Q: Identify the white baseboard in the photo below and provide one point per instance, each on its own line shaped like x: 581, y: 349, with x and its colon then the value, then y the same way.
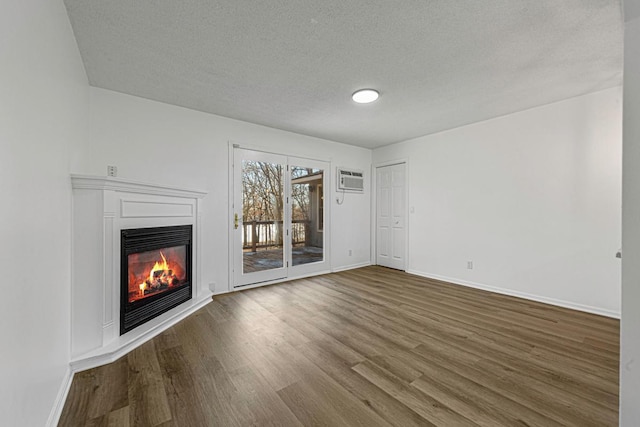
x: 287, y: 279
x: 276, y: 281
x: 537, y: 298
x: 351, y: 266
x: 61, y: 398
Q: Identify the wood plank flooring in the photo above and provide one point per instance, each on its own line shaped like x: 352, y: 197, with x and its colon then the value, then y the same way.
x: 366, y: 347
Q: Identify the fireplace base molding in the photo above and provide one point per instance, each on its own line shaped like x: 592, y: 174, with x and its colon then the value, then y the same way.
x: 102, y: 208
x: 127, y: 342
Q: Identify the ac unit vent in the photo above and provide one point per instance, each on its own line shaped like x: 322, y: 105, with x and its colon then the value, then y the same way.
x: 350, y: 180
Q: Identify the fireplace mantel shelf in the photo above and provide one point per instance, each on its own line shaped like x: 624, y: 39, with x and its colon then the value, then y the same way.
x: 91, y: 182
x: 103, y: 207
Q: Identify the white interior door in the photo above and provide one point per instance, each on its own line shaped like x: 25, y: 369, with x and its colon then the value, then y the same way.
x: 261, y: 217
x: 391, y: 216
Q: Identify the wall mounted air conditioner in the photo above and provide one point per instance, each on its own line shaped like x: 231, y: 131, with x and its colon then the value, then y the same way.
x: 350, y: 180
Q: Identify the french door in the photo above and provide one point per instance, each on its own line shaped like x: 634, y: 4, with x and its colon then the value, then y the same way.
x: 279, y: 217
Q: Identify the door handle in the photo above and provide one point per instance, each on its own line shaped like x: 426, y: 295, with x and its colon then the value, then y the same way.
x: 235, y: 221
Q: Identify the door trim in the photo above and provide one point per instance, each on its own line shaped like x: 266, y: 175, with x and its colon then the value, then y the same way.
x: 228, y: 223
x: 374, y: 209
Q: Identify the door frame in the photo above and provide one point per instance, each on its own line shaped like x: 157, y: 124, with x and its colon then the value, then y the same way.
x: 374, y: 209
x: 328, y: 196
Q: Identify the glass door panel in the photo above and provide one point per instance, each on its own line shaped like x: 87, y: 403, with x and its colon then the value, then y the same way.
x: 262, y: 216
x: 307, y: 213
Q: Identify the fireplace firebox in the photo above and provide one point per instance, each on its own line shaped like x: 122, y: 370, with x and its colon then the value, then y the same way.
x: 155, y: 272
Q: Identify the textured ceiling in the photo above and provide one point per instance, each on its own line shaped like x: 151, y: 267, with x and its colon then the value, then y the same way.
x: 293, y: 65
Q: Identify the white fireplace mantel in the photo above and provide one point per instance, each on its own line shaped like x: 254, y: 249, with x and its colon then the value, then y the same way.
x: 102, y: 207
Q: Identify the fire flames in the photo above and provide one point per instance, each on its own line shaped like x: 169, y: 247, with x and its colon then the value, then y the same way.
x: 159, y: 267
x: 162, y: 276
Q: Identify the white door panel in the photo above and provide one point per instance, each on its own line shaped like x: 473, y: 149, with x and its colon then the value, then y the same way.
x: 398, y: 244
x: 383, y: 242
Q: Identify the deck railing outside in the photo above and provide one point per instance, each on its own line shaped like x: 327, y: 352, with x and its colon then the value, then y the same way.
x: 266, y: 234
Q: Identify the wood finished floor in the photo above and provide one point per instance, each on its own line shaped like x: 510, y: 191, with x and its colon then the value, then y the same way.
x: 367, y: 347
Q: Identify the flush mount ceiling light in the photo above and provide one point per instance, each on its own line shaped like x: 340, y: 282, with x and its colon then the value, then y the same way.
x: 365, y: 96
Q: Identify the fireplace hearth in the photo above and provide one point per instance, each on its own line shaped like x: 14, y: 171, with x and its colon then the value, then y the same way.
x: 155, y: 272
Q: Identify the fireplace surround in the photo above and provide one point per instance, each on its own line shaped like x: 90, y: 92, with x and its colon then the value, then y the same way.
x: 105, y: 209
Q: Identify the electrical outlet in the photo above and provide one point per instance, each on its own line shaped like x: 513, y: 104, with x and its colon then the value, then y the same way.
x: 470, y: 265
x: 112, y: 171
x: 350, y: 252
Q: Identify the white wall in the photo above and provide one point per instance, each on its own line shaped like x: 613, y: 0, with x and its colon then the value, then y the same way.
x: 630, y: 325
x: 43, y: 99
x: 155, y: 142
x: 532, y: 198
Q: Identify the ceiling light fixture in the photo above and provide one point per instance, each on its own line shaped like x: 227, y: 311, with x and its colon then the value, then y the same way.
x: 365, y: 96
